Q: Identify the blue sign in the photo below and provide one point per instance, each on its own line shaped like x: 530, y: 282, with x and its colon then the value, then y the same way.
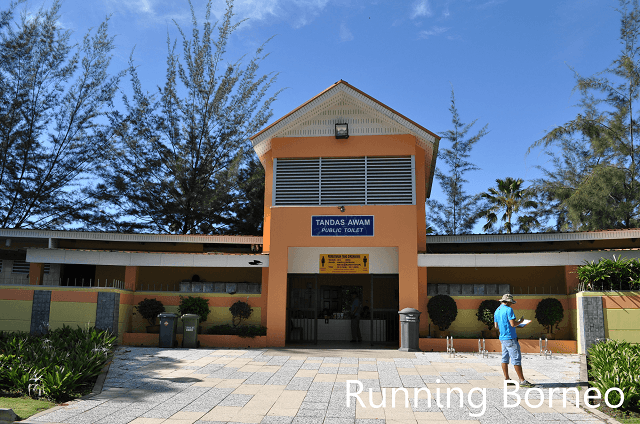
x: 342, y: 225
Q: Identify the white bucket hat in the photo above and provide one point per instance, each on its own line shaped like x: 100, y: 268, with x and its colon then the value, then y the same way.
x: 507, y: 298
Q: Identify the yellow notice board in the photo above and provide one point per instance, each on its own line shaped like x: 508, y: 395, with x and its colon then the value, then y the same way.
x: 344, y: 264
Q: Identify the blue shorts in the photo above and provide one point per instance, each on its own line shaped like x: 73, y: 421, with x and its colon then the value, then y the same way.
x: 511, y: 349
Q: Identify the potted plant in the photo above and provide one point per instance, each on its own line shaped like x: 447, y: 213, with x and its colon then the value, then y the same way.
x: 485, y: 315
x: 240, y: 311
x: 549, y: 313
x: 442, y: 312
x: 149, y: 310
x: 194, y: 305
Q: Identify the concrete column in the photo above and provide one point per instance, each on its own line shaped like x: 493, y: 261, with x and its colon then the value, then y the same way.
x: 590, y: 321
x: 422, y: 301
x: 277, y: 299
x: 40, y: 312
x: 131, y: 275
x: 571, y: 278
x: 36, y: 274
x: 409, y: 286
x: 264, y: 296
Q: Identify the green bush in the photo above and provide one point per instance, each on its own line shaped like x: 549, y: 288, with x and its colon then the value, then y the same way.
x: 240, y: 311
x: 242, y: 331
x: 616, y: 364
x: 58, y: 365
x: 194, y: 305
x: 549, y: 312
x: 149, y: 309
x: 610, y: 274
x: 442, y: 311
x: 485, y: 312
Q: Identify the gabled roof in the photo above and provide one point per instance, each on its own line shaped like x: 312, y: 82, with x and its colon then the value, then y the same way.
x: 322, y: 94
x: 300, y: 121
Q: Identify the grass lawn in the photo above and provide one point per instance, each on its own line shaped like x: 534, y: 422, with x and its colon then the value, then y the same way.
x: 625, y: 417
x: 24, y: 406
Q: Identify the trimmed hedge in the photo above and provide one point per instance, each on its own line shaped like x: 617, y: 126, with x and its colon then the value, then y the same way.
x: 241, y: 330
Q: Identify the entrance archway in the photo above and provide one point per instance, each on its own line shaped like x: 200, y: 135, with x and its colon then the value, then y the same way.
x: 318, y: 308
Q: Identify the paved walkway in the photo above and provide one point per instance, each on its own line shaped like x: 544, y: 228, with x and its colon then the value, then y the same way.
x: 280, y: 386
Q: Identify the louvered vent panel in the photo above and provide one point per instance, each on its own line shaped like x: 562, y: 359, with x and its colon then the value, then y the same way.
x: 343, y: 181
x: 390, y: 181
x: 297, y: 182
x: 20, y: 267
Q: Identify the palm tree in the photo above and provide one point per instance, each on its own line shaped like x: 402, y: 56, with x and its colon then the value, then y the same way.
x: 511, y: 197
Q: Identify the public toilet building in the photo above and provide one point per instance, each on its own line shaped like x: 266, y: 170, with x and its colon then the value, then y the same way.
x: 346, y: 182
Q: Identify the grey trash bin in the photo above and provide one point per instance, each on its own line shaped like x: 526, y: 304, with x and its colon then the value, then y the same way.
x: 409, y: 330
x: 190, y: 330
x: 168, y: 329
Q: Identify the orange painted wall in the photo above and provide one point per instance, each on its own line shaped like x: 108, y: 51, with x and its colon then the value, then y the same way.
x: 400, y: 226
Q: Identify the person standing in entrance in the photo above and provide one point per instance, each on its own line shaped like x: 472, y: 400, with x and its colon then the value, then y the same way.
x: 505, y: 321
x: 354, y: 313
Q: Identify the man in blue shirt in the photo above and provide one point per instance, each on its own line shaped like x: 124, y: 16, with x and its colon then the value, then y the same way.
x: 505, y: 321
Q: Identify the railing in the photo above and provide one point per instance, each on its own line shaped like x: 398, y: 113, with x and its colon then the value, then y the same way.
x: 91, y: 283
x: 390, y: 331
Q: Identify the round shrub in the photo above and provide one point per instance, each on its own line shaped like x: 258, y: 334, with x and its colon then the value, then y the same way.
x: 194, y: 305
x: 240, y: 311
x: 442, y: 311
x: 486, y: 310
x: 549, y: 312
x: 149, y: 309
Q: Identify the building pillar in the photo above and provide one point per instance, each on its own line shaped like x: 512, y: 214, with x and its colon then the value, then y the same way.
x: 571, y: 278
x: 422, y: 302
x: 277, y: 299
x: 590, y: 321
x: 409, y: 285
x: 131, y: 274
x: 36, y: 274
x: 265, y: 296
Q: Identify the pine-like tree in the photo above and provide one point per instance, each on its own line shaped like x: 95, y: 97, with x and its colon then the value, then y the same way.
x: 603, y: 190
x: 53, y: 96
x: 458, y: 213
x: 179, y: 153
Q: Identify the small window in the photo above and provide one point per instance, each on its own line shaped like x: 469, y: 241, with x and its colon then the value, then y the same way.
x: 47, y: 268
x: 20, y: 267
x: 0, y: 265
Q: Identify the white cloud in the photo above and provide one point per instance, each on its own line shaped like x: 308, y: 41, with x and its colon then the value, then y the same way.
x: 296, y: 12
x: 421, y: 8
x: 490, y: 3
x: 345, y: 34
x: 436, y: 30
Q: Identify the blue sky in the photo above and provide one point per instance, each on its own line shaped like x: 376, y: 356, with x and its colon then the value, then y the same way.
x: 508, y: 60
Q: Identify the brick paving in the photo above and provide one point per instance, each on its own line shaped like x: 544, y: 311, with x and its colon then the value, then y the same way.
x: 301, y: 386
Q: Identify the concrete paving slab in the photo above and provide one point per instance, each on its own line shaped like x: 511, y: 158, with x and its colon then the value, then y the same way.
x: 308, y: 386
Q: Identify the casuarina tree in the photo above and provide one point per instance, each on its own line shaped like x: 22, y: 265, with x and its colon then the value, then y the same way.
x: 53, y: 98
x: 458, y: 212
x: 605, y: 192
x: 179, y: 151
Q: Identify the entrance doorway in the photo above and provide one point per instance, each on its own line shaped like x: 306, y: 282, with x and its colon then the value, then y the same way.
x: 318, y: 307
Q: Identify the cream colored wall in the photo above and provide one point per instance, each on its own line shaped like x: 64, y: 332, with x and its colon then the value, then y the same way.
x: 15, y: 315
